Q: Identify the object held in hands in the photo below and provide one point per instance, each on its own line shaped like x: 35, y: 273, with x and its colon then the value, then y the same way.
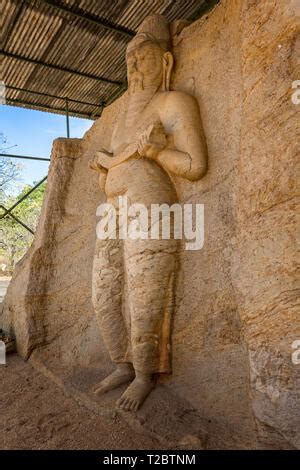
x: 152, y: 140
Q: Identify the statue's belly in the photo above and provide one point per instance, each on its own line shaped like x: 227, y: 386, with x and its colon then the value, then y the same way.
x: 142, y: 180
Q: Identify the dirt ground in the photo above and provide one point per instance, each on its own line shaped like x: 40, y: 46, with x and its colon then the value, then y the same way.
x: 35, y: 414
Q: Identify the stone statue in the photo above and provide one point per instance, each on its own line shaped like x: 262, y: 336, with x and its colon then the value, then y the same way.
x: 158, y: 135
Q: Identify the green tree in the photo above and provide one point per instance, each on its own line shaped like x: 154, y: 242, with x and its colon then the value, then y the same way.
x: 9, y: 170
x: 15, y: 239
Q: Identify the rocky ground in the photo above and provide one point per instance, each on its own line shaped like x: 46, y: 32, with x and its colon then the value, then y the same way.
x: 36, y: 414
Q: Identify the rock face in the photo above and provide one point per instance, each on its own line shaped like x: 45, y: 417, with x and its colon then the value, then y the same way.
x: 235, y: 317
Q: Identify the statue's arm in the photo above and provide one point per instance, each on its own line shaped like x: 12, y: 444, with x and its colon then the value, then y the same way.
x: 181, y: 119
x: 102, y: 172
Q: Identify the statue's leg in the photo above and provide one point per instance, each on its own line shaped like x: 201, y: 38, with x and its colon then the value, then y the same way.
x: 151, y: 269
x: 107, y: 289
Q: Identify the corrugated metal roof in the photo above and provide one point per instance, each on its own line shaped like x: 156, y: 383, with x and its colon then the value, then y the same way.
x: 74, y: 49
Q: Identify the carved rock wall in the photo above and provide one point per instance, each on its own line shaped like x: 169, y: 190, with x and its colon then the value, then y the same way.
x: 235, y: 308
x: 264, y: 267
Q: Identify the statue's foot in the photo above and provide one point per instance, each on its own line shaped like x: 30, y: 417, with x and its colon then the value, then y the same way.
x: 136, y: 393
x: 124, y: 373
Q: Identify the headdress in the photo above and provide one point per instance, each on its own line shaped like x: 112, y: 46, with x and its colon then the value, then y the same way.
x: 154, y: 28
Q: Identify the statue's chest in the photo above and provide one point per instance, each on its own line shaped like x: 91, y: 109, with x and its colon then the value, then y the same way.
x: 128, y: 130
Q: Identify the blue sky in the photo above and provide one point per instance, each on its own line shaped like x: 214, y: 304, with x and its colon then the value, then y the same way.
x: 33, y: 133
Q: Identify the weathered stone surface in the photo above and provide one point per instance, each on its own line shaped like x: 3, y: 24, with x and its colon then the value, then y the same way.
x: 235, y: 317
x: 265, y: 217
x: 171, y: 420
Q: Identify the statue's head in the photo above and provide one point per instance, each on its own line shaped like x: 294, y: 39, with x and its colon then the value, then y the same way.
x: 148, y: 56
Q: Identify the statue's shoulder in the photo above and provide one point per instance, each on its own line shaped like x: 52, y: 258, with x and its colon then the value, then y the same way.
x: 176, y: 96
x: 174, y: 102
x: 179, y: 95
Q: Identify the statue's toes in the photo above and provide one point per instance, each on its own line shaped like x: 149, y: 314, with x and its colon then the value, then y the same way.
x: 119, y: 403
x: 131, y: 405
x: 122, y: 403
x: 136, y: 405
x: 98, y: 390
x: 127, y: 404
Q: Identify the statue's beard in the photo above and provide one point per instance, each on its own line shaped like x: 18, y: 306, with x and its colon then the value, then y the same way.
x: 136, y: 82
x: 139, y: 97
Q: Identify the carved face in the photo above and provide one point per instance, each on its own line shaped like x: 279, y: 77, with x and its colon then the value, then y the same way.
x: 145, y: 67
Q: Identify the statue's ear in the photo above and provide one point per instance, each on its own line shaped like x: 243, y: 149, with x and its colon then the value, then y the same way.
x: 168, y: 62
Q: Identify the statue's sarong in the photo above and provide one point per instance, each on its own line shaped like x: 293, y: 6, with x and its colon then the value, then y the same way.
x: 133, y: 296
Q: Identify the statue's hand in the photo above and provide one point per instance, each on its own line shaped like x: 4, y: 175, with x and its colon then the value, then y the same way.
x: 98, y: 162
x: 95, y: 165
x: 152, y: 141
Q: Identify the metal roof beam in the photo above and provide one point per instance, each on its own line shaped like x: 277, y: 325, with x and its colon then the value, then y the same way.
x: 104, y: 23
x: 8, y: 211
x: 91, y: 116
x: 51, y: 108
x: 59, y: 68
x: 25, y: 90
x: 27, y: 157
x: 17, y: 220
